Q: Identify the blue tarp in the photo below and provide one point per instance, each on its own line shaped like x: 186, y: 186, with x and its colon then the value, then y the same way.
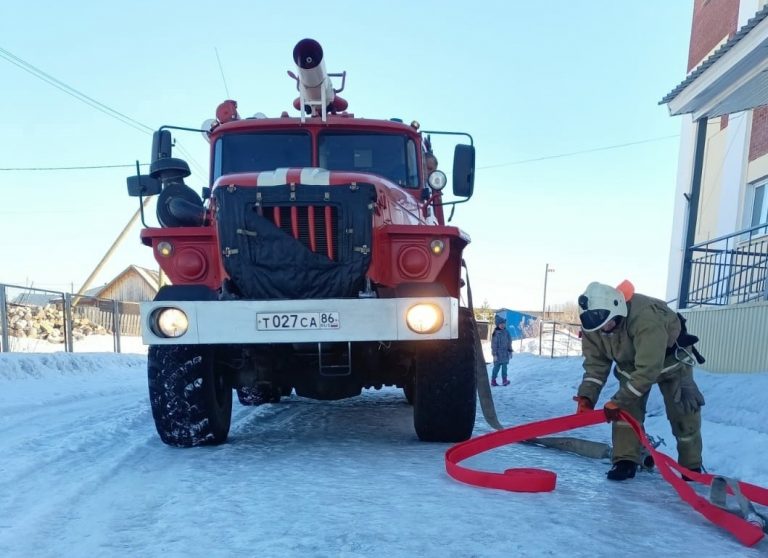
x: 517, y: 322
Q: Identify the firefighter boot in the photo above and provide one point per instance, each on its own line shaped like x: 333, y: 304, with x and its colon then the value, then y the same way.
x: 622, y: 470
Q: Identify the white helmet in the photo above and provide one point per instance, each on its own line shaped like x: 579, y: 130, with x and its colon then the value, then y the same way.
x: 600, y: 304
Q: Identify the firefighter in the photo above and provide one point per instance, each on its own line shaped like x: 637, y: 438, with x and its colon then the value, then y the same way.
x: 641, y: 338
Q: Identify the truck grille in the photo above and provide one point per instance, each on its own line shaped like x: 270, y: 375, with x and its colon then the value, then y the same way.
x: 314, y: 226
x: 281, y: 242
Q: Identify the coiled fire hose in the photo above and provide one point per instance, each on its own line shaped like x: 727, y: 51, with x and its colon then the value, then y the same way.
x: 748, y: 530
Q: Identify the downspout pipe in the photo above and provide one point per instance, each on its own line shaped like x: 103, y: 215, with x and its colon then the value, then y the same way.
x: 693, y: 211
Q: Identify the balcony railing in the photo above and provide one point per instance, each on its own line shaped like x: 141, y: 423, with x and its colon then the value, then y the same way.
x: 730, y: 269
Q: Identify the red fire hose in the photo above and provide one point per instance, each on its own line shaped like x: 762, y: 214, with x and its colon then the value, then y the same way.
x: 540, y: 480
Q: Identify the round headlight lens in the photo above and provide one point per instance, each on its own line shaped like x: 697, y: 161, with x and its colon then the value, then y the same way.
x: 437, y: 180
x: 164, y: 248
x: 170, y: 322
x: 437, y: 246
x: 424, y: 318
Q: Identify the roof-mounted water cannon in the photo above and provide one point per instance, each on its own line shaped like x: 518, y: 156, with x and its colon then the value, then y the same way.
x: 316, y: 93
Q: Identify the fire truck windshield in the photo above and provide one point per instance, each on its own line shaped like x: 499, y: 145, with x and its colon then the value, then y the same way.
x: 260, y: 152
x: 390, y: 155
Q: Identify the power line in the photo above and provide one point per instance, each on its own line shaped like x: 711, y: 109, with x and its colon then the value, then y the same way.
x: 221, y: 69
x: 69, y: 90
x: 582, y: 152
x: 83, y: 167
x: 90, y: 101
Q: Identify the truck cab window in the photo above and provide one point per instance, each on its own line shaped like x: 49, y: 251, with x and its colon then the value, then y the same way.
x: 389, y: 155
x: 261, y: 152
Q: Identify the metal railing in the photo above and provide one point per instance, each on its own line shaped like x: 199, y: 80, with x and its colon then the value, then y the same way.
x: 558, y: 339
x: 730, y: 269
x: 41, y: 320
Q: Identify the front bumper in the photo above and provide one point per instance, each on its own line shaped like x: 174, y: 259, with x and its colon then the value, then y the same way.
x: 235, y: 321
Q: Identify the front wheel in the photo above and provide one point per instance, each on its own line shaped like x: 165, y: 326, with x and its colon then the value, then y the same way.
x: 191, y: 402
x: 444, y: 399
x: 408, y: 391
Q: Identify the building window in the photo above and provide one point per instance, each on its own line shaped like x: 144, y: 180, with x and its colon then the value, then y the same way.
x: 759, y: 205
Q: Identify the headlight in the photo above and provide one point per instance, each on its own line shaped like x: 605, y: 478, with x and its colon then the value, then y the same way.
x: 169, y: 322
x: 437, y: 246
x: 164, y: 248
x: 437, y: 180
x: 424, y: 318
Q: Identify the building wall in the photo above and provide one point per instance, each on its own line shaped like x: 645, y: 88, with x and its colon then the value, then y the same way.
x: 129, y: 287
x: 732, y: 337
x: 757, y: 169
x: 726, y: 162
x: 713, y: 20
x: 757, y: 166
x: 706, y: 224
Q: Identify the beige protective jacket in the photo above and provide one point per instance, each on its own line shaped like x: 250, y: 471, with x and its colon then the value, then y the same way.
x: 638, y: 347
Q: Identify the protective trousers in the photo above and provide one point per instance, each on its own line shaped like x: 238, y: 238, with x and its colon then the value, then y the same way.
x: 686, y: 427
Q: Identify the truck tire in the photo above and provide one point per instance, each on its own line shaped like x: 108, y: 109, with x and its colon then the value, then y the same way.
x: 444, y: 399
x: 408, y: 392
x: 191, y: 403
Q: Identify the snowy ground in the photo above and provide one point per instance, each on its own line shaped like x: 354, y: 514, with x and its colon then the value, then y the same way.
x: 89, y: 344
x: 83, y: 473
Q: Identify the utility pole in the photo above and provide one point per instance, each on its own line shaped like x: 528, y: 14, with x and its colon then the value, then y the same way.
x: 547, y: 271
x: 111, y: 251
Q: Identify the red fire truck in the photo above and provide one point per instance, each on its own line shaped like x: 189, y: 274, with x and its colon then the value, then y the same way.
x: 318, y: 259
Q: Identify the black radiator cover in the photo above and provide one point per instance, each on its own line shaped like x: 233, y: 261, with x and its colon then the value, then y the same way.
x: 265, y: 262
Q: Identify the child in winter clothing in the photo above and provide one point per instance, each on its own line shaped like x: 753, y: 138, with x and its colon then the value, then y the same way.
x: 501, y: 348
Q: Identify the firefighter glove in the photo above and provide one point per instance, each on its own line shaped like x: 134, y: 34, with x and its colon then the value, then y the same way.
x: 583, y: 404
x: 688, y: 397
x: 611, y: 411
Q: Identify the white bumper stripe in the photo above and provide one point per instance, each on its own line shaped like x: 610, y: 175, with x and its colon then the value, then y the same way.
x: 595, y: 380
x: 234, y: 321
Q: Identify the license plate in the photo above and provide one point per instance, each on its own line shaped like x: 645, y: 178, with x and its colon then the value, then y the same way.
x: 275, y: 321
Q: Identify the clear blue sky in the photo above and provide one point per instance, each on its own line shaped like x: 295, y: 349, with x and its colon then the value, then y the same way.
x: 526, y: 79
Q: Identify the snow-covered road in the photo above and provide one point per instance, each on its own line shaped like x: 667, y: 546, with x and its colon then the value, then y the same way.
x: 83, y: 473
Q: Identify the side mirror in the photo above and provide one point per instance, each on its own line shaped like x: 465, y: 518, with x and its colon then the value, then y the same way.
x: 463, y: 170
x: 143, y: 185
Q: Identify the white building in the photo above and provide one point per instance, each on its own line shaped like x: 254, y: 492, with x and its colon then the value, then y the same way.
x: 719, y: 251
